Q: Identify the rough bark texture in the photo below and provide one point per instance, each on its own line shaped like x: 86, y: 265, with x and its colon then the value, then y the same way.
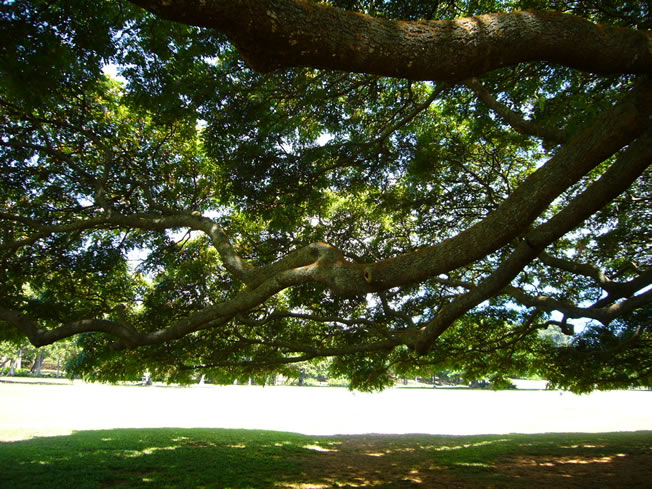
x: 272, y: 34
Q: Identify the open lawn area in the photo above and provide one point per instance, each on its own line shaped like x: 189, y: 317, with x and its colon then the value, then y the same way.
x: 238, y: 459
x: 94, y: 436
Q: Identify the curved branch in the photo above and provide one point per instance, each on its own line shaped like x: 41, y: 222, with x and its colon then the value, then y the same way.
x: 232, y: 262
x: 208, y: 317
x: 324, y: 264
x: 586, y: 269
x: 514, y: 119
x: 616, y: 128
x: 627, y: 168
x: 41, y: 337
x: 272, y: 34
x: 618, y: 290
x: 47, y: 230
x: 603, y: 314
x: 615, y: 290
x: 252, y: 276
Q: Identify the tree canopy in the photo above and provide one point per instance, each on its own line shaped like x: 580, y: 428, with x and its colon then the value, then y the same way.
x: 401, y: 186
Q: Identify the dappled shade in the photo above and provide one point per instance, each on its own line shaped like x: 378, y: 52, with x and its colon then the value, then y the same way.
x: 239, y: 459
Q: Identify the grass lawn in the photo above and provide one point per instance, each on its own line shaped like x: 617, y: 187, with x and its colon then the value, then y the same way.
x: 62, y: 435
x: 243, y: 459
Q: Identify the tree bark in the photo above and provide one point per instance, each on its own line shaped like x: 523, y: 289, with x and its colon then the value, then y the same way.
x: 272, y: 34
x: 5, y: 361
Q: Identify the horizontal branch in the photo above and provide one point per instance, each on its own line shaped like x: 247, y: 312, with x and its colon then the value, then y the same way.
x: 276, y: 315
x: 46, y: 230
x: 272, y: 34
x: 603, y: 314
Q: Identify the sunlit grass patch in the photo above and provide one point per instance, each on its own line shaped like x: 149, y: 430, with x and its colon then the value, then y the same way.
x: 155, y: 458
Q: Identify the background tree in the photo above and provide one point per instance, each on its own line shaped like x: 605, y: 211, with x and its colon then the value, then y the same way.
x: 400, y: 186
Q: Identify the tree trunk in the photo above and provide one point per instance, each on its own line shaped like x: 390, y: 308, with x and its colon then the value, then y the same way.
x: 19, y: 360
x: 36, y: 368
x: 5, y: 360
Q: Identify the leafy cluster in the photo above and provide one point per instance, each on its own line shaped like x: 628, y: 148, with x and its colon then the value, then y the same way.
x: 107, y: 186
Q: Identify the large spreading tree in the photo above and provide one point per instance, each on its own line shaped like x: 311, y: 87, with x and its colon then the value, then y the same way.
x: 400, y: 186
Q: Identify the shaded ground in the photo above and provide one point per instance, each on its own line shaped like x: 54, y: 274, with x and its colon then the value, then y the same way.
x: 559, y: 461
x: 176, y: 458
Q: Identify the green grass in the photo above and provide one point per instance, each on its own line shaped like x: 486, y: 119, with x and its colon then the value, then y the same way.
x: 251, y: 459
x: 151, y: 458
x: 479, y: 458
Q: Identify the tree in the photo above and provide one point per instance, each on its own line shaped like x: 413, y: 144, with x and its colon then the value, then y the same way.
x: 401, y: 186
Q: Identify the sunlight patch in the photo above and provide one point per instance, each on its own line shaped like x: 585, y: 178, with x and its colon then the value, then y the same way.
x: 413, y: 476
x: 596, y: 460
x: 317, y: 448
x: 306, y: 486
x: 146, y: 451
x: 469, y: 445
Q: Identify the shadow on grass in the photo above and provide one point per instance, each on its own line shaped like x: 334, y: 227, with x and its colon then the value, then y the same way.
x: 249, y: 459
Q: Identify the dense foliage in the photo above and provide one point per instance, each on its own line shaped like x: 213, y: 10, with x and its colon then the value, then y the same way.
x: 127, y: 205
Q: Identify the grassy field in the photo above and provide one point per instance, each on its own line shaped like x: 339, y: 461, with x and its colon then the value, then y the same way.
x: 74, y: 435
x: 255, y: 459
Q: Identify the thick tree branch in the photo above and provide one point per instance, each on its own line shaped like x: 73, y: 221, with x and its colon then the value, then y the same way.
x: 324, y: 264
x: 615, y: 129
x: 41, y: 337
x: 273, y: 34
x: 629, y: 165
